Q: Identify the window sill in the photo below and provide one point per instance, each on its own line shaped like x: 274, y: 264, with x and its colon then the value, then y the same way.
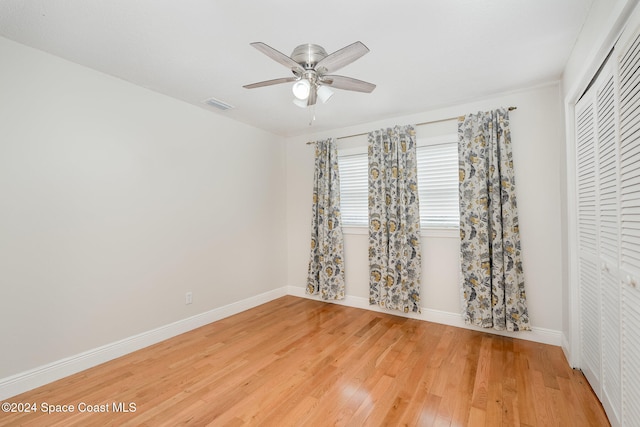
x: 452, y: 233
x: 449, y: 232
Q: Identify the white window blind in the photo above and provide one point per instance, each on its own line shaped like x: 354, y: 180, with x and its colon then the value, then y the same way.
x: 437, y: 187
x: 354, y: 184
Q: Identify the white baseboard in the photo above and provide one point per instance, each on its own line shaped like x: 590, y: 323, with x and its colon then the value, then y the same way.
x: 541, y: 335
x: 24, y: 381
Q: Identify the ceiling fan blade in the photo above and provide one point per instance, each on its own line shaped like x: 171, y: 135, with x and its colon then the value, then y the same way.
x: 340, y: 58
x: 313, y: 96
x: 278, y: 56
x: 347, y: 83
x: 271, y: 82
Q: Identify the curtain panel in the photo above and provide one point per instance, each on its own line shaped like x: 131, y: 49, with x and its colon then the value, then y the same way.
x: 492, y: 278
x: 326, y: 265
x: 394, y: 220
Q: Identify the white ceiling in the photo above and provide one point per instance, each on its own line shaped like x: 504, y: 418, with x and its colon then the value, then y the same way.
x: 423, y: 54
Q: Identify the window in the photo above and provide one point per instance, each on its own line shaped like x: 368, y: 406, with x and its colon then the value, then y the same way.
x: 437, y: 184
x: 354, y: 189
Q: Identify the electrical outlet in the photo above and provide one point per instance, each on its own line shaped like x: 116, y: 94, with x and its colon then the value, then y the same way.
x: 188, y: 298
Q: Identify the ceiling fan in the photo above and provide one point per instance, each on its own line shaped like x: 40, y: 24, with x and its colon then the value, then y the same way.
x: 311, y: 68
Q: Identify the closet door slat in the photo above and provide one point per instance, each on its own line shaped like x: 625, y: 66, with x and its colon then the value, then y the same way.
x: 629, y: 68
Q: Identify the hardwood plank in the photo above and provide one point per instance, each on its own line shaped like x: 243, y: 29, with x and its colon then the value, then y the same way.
x: 477, y: 417
x: 481, y: 384
x: 495, y: 393
x: 510, y: 414
x: 526, y: 397
x: 295, y: 361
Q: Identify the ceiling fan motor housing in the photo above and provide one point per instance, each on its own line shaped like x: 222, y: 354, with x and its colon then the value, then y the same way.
x: 308, y: 55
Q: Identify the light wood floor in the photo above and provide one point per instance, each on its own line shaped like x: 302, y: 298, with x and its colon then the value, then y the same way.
x: 295, y: 361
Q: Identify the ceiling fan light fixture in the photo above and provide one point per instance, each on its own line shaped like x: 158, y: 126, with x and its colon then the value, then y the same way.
x: 301, y: 89
x: 324, y: 93
x: 300, y: 103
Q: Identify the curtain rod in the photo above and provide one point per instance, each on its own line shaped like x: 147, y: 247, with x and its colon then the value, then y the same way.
x: 417, y: 124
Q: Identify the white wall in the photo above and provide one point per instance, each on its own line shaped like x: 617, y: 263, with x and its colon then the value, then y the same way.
x: 538, y: 141
x: 115, y: 201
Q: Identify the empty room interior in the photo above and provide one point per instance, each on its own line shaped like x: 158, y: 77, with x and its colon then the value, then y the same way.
x: 339, y: 213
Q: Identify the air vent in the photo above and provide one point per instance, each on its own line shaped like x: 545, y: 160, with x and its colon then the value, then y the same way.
x: 217, y: 104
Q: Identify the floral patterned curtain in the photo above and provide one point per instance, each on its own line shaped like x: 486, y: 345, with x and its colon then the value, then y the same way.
x: 326, y: 267
x: 394, y: 220
x: 491, y: 278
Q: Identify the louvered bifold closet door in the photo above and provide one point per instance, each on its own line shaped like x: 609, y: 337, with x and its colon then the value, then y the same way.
x: 608, y: 239
x: 629, y: 74
x: 588, y: 242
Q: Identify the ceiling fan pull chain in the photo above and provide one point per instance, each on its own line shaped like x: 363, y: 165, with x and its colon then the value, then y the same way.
x: 312, y: 111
